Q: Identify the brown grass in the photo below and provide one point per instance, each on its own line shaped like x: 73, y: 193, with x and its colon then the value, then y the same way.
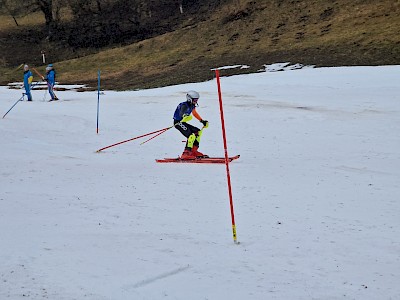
x: 324, y: 33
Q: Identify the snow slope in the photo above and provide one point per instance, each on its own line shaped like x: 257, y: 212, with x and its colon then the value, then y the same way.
x: 315, y: 192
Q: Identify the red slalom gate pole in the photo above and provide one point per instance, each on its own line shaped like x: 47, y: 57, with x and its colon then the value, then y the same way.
x: 98, y: 100
x: 138, y: 137
x: 155, y: 135
x: 226, y: 157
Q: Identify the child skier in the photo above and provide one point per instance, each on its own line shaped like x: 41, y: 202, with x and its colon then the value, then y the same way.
x: 28, y: 78
x: 193, y: 134
x: 51, y: 81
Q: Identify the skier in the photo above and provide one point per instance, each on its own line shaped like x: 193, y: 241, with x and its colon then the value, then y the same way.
x: 28, y: 78
x: 193, y: 134
x: 51, y: 81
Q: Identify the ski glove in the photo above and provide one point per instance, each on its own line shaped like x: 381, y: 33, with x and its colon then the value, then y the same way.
x: 204, y: 122
x: 186, y: 118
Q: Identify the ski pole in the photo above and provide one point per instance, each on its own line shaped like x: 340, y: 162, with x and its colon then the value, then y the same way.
x: 20, y: 99
x: 23, y: 95
x: 44, y: 96
x: 138, y: 137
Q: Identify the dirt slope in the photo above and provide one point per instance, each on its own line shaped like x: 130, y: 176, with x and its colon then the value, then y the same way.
x: 322, y: 33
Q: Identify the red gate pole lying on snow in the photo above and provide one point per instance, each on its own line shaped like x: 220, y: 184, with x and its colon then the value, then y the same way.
x: 163, y: 131
x: 138, y: 137
x: 226, y: 157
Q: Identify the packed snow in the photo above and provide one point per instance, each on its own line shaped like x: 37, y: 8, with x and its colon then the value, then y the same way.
x: 315, y: 191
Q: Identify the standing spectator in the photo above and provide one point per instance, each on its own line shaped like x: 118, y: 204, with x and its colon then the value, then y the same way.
x: 28, y: 78
x: 51, y: 81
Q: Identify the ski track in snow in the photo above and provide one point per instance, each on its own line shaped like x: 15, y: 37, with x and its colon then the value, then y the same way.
x: 159, y: 277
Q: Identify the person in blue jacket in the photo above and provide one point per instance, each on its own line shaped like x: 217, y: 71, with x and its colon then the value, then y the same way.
x: 28, y: 78
x: 51, y: 81
x: 182, y: 115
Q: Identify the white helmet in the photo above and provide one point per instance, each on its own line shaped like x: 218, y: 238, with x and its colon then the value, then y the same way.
x: 192, y: 97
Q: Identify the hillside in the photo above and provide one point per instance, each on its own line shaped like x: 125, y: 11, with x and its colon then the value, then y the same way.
x: 322, y: 33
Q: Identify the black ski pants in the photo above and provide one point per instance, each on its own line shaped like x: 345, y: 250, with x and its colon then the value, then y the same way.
x: 186, y: 129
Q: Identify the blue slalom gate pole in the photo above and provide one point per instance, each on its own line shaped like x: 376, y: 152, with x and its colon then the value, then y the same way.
x: 98, y: 99
x: 20, y: 99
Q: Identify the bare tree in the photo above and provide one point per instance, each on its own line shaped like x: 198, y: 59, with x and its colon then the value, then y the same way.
x: 10, y: 9
x: 46, y: 6
x: 49, y: 8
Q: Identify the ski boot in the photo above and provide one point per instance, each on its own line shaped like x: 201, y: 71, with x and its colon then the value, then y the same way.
x: 187, y: 154
x: 197, y: 153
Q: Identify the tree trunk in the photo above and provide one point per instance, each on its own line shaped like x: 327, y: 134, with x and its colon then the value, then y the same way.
x: 46, y: 6
x: 10, y: 12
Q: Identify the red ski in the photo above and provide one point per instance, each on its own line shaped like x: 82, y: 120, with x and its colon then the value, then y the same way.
x: 199, y: 160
